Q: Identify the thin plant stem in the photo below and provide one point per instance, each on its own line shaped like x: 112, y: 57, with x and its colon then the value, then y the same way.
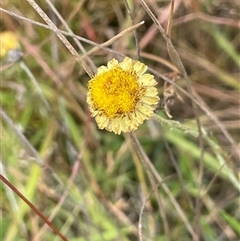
x: 80, y: 46
x: 146, y: 162
x: 11, y: 197
x: 61, y: 36
x: 113, y: 39
x: 176, y: 124
x: 175, y: 58
x: 131, y: 15
x: 33, y: 208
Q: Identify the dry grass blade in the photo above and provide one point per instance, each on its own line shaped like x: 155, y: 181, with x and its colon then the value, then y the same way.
x: 60, y: 35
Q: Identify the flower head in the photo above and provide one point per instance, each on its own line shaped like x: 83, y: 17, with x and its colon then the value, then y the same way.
x: 121, y: 96
x: 10, y: 47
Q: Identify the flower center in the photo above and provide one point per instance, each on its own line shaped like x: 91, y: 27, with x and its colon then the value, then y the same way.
x: 115, y: 92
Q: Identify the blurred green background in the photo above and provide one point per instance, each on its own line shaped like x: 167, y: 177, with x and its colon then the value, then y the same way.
x: 90, y: 182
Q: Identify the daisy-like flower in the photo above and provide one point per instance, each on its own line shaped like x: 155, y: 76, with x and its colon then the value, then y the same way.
x: 121, y: 96
x: 10, y: 47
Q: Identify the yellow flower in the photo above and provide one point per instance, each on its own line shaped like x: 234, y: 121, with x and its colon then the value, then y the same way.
x: 121, y: 96
x: 9, y: 46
